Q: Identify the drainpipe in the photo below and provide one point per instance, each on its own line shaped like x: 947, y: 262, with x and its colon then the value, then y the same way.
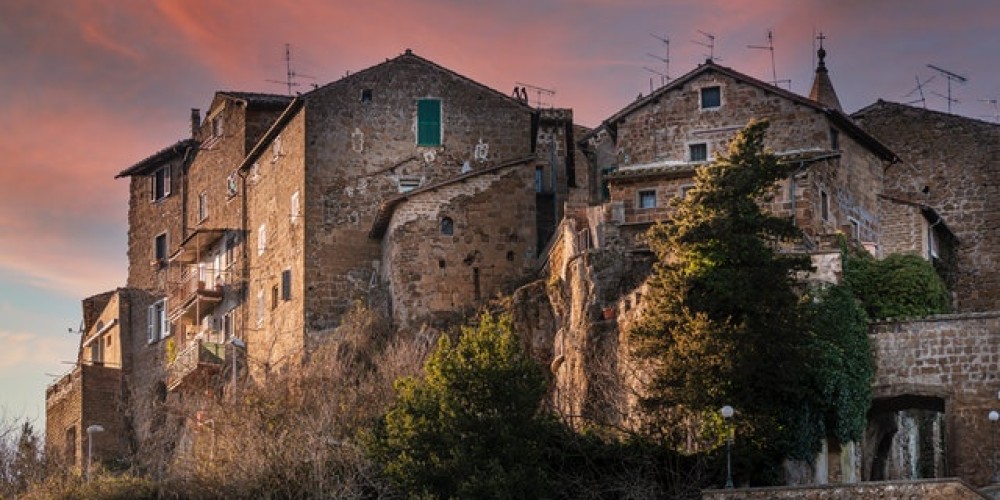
x: 245, y: 289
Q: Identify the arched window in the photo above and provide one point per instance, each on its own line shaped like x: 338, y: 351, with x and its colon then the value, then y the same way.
x: 447, y: 226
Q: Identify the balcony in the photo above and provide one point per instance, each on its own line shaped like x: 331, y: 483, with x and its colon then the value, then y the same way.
x: 195, y: 295
x: 198, y: 361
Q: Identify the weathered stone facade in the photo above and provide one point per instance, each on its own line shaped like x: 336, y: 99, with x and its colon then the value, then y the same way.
x: 954, y: 489
x: 949, y: 175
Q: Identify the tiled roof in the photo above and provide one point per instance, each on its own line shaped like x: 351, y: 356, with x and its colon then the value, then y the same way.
x: 158, y: 158
x: 257, y: 100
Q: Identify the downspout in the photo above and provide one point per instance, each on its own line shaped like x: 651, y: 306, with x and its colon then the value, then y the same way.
x: 245, y: 280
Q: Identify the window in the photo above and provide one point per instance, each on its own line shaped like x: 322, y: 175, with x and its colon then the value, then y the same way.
x: 160, y: 184
x: 295, y: 206
x: 447, y: 226
x: 684, y: 190
x: 428, y: 122
x: 261, y: 239
x: 260, y: 307
x: 824, y: 205
x: 286, y: 284
x: 276, y: 150
x: 97, y: 351
x: 539, y: 179
x: 274, y: 296
x: 202, y: 206
x: 698, y: 152
x: 855, y: 229
x: 71, y: 444
x: 228, y: 324
x: 217, y: 127
x: 647, y: 199
x: 407, y: 184
x: 157, y: 326
x: 230, y: 251
x: 232, y: 186
x: 160, y: 249
x: 834, y: 139
x: 711, y: 97
x: 366, y: 95
x: 932, y: 244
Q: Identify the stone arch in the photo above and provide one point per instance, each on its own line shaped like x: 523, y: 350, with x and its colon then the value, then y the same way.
x: 906, y: 436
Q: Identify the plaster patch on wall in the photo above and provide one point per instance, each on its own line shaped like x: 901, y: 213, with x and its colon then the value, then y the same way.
x: 430, y: 155
x: 358, y: 140
x: 482, y: 150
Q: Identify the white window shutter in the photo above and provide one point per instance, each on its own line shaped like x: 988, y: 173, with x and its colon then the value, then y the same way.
x: 166, y: 180
x: 151, y: 321
x: 164, y: 323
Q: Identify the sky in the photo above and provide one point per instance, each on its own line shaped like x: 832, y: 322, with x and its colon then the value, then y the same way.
x: 90, y: 87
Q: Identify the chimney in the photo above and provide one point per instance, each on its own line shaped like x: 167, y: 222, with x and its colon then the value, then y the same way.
x: 195, y: 122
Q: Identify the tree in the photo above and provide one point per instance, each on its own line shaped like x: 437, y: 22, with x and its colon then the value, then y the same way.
x: 471, y: 428
x: 724, y: 326
x: 899, y: 286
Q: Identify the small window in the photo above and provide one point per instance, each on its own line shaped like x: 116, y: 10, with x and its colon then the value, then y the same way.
x: 286, y: 284
x: 824, y: 205
x: 711, y: 97
x: 855, y: 229
x: 160, y: 248
x: 428, y: 122
x: 684, y: 190
x: 276, y: 149
x: 160, y: 184
x: 366, y: 96
x: 834, y: 139
x: 295, y: 206
x: 260, y: 306
x: 274, y: 296
x: 647, y: 199
x: 261, y: 239
x: 232, y: 186
x: 217, y: 126
x: 157, y: 326
x: 539, y: 179
x: 932, y: 243
x: 447, y: 226
x: 202, y: 206
x: 228, y: 324
x: 698, y: 152
x: 407, y: 184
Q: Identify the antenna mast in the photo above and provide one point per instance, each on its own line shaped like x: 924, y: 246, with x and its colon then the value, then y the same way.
x: 539, y: 91
x: 920, y: 90
x: 951, y: 77
x: 710, y: 44
x: 770, y: 48
x: 666, y: 56
x: 290, y: 73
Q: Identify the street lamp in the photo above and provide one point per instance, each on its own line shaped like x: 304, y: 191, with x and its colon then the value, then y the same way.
x: 90, y: 445
x: 727, y: 413
x: 994, y: 416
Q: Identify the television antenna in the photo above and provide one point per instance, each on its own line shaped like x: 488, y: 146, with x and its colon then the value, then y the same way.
x: 770, y: 48
x: 920, y: 91
x: 290, y: 74
x: 951, y: 77
x: 539, y: 92
x: 710, y: 44
x: 663, y: 78
x: 666, y: 55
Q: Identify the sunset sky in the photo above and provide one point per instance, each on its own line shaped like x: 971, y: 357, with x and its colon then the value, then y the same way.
x: 89, y: 87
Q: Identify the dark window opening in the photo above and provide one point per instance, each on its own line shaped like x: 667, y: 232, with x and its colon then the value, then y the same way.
x: 711, y: 97
x: 824, y: 205
x: 834, y: 139
x: 286, y: 284
x: 160, y: 184
x: 647, y: 199
x: 539, y: 179
x: 366, y: 95
x: 510, y: 255
x: 698, y: 152
x: 447, y: 226
x: 477, y: 293
x: 160, y: 248
x: 441, y: 263
x: 274, y: 296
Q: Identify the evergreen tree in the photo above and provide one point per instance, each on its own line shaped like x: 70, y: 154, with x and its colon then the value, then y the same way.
x: 724, y: 323
x: 471, y: 428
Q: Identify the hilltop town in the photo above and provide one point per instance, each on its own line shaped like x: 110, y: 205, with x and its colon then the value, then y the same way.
x: 420, y: 196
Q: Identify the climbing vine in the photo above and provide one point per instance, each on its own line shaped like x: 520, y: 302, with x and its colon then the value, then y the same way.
x: 899, y: 286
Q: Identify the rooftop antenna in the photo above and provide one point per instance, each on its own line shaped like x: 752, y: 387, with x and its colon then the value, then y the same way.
x: 290, y: 73
x: 920, y: 90
x: 666, y: 57
x: 539, y: 92
x: 710, y: 44
x: 951, y: 77
x: 770, y: 48
x: 996, y: 109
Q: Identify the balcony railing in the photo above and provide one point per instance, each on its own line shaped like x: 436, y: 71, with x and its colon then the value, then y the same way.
x: 196, y: 294
x: 197, y: 360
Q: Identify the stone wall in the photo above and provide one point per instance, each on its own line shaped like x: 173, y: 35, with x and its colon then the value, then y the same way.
x: 951, y: 359
x: 954, y: 489
x: 951, y: 164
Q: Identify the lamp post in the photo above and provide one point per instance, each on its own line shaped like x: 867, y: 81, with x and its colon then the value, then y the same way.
x: 727, y: 413
x: 994, y: 416
x: 91, y: 430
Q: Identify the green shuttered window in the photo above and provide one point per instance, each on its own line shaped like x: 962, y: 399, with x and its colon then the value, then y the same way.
x: 428, y: 122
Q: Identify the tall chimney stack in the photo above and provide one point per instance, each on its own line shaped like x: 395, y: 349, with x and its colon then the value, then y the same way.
x: 195, y: 122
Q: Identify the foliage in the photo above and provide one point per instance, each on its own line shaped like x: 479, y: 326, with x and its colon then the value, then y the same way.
x: 842, y: 364
x: 21, y: 460
x: 726, y: 325
x: 471, y: 427
x: 899, y: 286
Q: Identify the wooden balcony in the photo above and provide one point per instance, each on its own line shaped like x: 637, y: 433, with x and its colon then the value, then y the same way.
x: 197, y: 362
x: 194, y: 296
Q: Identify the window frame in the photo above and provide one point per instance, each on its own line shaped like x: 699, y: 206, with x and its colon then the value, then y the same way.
x: 161, y: 252
x: 159, y: 182
x: 702, y: 97
x: 691, y: 149
x: 295, y: 207
x: 157, y: 324
x: 262, y: 239
x: 202, y: 206
x: 646, y: 194
x: 286, y: 285
x: 447, y: 226
x: 824, y: 205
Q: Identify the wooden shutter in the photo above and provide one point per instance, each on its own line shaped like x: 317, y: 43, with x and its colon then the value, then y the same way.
x: 429, y: 122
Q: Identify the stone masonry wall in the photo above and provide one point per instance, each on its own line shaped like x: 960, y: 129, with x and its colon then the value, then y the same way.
x: 952, y: 357
x: 147, y: 219
x: 491, y: 250
x: 930, y: 488
x: 359, y: 151
x: 951, y: 164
